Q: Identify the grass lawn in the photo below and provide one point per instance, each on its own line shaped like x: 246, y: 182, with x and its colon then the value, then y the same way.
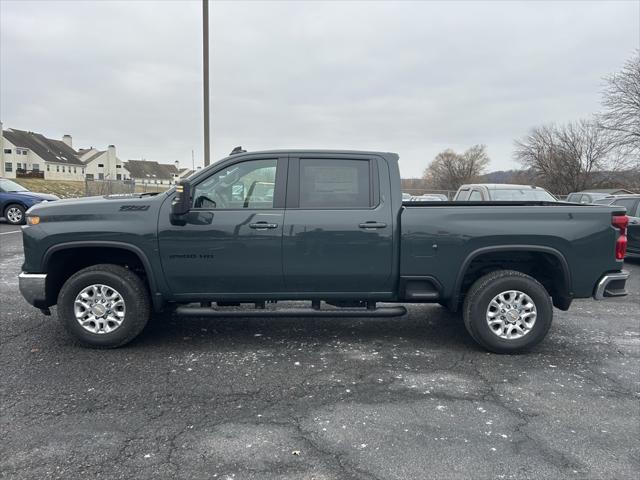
x: 61, y: 188
x: 72, y: 189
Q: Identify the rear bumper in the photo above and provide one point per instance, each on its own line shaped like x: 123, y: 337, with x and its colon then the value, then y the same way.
x: 33, y: 288
x: 612, y: 285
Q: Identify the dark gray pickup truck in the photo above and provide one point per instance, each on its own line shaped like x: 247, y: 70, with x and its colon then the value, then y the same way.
x: 327, y: 227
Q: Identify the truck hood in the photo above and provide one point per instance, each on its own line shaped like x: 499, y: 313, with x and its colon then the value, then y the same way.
x: 97, y: 206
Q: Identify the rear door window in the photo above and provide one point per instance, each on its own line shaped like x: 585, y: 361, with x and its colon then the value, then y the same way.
x: 334, y: 183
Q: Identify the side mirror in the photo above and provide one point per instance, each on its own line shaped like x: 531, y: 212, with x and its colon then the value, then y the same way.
x: 181, y: 203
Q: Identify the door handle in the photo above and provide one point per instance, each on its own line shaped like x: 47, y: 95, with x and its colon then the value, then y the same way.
x: 372, y: 225
x: 263, y: 225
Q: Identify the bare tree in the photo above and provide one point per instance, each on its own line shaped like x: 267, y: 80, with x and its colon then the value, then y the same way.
x: 449, y: 169
x: 621, y: 99
x: 570, y: 157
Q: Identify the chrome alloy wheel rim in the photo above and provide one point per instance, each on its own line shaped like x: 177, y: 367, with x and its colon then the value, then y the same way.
x: 14, y: 215
x: 99, y: 309
x: 511, y: 314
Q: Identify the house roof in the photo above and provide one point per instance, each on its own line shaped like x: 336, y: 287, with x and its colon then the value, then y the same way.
x: 93, y: 157
x: 52, y: 151
x: 150, y: 169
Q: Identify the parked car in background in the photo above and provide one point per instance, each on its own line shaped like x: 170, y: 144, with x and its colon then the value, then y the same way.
x: 15, y: 200
x: 429, y: 197
x: 486, y: 192
x: 609, y: 199
x: 632, y: 204
x: 594, y: 196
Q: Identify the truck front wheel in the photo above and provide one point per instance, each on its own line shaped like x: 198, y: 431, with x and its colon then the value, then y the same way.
x: 507, y: 311
x: 104, y: 306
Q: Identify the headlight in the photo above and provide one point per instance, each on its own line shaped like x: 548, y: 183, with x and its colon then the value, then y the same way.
x: 33, y: 219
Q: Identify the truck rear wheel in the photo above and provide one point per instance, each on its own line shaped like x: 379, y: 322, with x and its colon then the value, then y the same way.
x: 507, y: 311
x: 104, y: 306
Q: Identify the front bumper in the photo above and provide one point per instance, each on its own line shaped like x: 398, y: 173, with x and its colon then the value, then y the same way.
x: 612, y: 285
x: 33, y: 288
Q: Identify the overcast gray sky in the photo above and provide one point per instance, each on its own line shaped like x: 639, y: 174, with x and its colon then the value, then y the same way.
x: 410, y: 77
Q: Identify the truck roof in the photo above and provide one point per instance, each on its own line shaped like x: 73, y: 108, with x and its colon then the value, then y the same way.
x: 500, y: 186
x: 319, y: 151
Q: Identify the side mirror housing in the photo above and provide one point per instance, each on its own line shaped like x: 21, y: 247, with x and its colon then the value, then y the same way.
x: 181, y: 203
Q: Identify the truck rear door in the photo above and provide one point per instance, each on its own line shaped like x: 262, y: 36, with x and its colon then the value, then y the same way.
x: 338, y: 226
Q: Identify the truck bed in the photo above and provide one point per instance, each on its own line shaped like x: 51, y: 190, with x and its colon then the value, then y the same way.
x: 443, y: 238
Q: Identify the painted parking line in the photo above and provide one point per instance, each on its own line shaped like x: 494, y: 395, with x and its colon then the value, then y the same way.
x: 14, y: 231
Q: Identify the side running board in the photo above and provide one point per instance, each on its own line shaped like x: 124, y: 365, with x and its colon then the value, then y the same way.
x: 200, y: 311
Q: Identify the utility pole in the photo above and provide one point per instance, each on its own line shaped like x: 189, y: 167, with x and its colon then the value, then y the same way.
x: 205, y: 75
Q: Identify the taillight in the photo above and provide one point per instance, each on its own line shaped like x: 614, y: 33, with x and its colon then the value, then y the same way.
x: 621, y: 222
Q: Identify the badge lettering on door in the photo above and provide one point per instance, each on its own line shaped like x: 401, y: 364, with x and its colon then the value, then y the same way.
x: 134, y: 208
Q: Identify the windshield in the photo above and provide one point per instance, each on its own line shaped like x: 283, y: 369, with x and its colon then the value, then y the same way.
x: 9, y: 186
x: 516, y: 194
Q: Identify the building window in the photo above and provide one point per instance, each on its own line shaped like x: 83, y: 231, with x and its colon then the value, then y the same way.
x: 7, y: 150
x: 35, y: 167
x: 101, y: 165
x: 8, y: 167
x: 24, y: 152
x: 63, y: 169
x: 57, y: 168
x: 89, y: 176
x: 18, y: 165
x: 118, y: 176
x: 74, y: 170
x: 83, y: 171
x: 101, y: 176
x: 118, y: 166
x: 48, y: 167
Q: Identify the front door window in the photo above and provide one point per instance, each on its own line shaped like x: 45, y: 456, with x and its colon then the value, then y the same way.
x: 248, y: 184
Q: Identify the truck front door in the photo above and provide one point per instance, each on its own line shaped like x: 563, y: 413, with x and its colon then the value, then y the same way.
x: 338, y: 228
x: 232, y: 241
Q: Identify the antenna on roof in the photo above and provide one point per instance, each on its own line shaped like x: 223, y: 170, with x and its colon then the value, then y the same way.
x: 237, y: 150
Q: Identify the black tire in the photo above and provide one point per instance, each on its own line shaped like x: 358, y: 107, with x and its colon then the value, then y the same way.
x: 131, y: 288
x: 482, y: 293
x: 19, y: 210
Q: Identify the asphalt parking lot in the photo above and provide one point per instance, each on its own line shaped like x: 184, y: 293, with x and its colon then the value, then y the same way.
x: 405, y: 398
